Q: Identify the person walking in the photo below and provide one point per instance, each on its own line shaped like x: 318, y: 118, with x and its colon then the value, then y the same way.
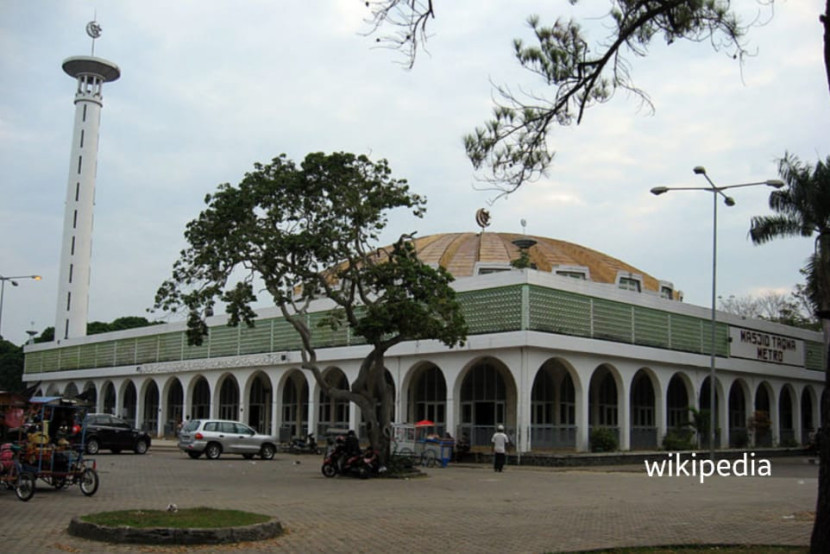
x: 500, y: 442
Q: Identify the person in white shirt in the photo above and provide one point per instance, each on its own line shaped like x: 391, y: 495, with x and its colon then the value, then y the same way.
x: 500, y: 442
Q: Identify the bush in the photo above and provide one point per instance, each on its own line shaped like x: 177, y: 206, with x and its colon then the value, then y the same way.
x: 679, y: 439
x: 400, y: 465
x: 740, y: 439
x: 603, y: 440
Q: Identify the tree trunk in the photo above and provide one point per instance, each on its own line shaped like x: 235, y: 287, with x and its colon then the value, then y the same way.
x: 825, y: 21
x: 820, y: 541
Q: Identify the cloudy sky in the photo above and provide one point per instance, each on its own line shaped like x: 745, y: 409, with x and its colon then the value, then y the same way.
x: 209, y: 87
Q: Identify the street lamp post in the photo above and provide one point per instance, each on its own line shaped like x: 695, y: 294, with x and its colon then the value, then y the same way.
x: 3, y: 291
x: 729, y: 201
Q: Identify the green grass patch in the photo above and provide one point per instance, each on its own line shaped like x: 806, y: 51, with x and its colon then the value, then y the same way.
x: 187, y: 518
x: 695, y: 549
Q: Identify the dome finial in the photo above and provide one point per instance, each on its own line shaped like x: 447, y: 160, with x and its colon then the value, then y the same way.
x: 483, y: 218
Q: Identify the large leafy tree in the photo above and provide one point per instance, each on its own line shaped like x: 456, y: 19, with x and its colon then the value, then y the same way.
x: 308, y: 233
x: 11, y: 367
x: 575, y: 71
x: 803, y: 209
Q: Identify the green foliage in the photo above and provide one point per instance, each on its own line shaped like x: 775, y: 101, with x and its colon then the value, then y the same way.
x: 603, y: 440
x: 48, y: 335
x: 679, y: 439
x: 98, y: 327
x: 308, y: 231
x: 700, y: 422
x: 401, y: 465
x: 119, y: 324
x: 302, y: 230
x: 739, y: 439
x: 523, y: 261
x: 11, y: 367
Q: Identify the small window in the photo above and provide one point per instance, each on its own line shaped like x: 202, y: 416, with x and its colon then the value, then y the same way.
x: 80, y: 162
x: 77, y: 191
x: 82, y: 138
x: 628, y: 283
x: 572, y: 271
x: 488, y: 268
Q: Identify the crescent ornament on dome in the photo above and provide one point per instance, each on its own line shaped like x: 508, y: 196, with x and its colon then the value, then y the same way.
x: 483, y: 218
x: 93, y: 29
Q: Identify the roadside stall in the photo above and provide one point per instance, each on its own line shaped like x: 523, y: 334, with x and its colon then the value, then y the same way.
x: 421, y: 442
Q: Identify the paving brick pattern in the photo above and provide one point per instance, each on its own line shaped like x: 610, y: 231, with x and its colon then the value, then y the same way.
x: 459, y: 509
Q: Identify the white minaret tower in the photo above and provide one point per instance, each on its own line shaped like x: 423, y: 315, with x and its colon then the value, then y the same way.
x: 73, y: 285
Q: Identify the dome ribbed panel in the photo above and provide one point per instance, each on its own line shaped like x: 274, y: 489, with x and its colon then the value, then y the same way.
x: 458, y: 253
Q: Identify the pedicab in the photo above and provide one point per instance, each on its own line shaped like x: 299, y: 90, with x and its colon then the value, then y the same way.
x: 54, y: 445
x: 12, y: 475
x: 421, y: 442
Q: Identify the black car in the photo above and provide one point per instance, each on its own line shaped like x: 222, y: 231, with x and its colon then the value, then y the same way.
x: 107, y: 432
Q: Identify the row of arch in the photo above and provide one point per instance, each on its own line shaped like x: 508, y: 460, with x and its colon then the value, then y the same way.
x: 558, y: 411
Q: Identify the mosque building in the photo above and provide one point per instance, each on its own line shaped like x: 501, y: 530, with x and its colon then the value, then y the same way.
x: 579, y: 341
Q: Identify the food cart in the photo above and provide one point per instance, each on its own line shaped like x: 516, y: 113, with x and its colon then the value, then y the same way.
x: 421, y: 442
x: 52, y: 448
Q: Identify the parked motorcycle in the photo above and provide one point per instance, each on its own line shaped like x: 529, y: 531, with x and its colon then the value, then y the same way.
x: 362, y: 465
x: 308, y: 445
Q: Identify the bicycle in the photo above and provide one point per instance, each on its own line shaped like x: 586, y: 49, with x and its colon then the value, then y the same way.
x: 12, y: 474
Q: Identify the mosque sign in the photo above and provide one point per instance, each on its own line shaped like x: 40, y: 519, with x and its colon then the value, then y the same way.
x: 765, y: 347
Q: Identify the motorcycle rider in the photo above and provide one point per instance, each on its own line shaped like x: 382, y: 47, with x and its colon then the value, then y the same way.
x: 352, y: 444
x: 350, y: 448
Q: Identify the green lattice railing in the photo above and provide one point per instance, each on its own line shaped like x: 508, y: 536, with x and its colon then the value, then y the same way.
x: 496, y: 310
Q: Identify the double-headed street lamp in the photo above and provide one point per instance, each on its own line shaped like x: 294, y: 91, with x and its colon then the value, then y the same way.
x: 3, y: 291
x: 729, y: 201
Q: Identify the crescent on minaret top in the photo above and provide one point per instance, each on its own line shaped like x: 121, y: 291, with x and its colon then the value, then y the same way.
x: 93, y: 29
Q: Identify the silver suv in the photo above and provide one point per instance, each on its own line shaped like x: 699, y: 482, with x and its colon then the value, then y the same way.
x: 216, y: 436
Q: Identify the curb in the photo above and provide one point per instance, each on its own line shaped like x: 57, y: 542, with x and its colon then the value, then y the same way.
x: 169, y: 536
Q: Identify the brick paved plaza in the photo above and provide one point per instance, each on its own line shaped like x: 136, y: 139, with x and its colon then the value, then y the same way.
x: 465, y: 508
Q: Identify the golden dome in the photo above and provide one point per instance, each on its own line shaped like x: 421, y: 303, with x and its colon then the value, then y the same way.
x: 461, y: 253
